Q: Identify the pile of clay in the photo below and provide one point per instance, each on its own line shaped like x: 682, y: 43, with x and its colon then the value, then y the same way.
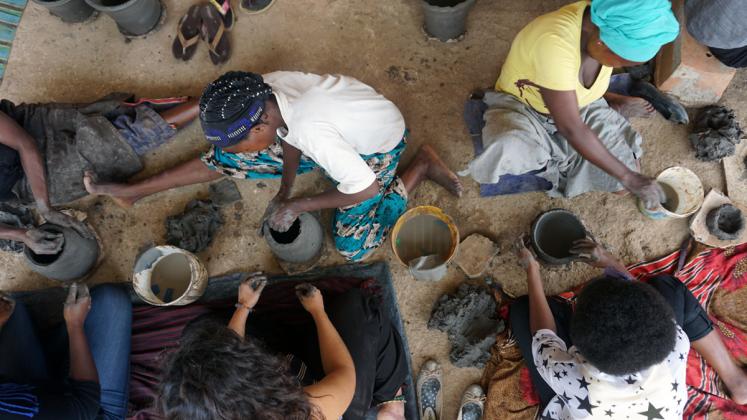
x: 470, y: 319
x: 716, y: 133
x: 194, y: 229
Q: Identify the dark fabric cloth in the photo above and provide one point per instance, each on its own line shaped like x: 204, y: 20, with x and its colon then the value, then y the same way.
x: 35, y: 361
x: 689, y: 314
x: 107, y: 136
x: 734, y: 57
x: 717, y: 23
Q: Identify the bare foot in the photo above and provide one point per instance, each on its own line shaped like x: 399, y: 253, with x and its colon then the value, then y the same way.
x: 115, y: 191
x: 438, y: 172
x: 394, y: 410
x: 630, y: 107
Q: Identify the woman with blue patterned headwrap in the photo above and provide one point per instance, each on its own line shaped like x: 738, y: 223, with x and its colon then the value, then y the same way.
x: 549, y: 116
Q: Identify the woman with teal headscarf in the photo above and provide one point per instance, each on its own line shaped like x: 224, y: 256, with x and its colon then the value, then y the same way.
x: 548, y: 116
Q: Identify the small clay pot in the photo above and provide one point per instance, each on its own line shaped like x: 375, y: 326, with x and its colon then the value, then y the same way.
x: 553, y: 234
x: 446, y: 20
x: 133, y: 17
x: 300, y: 244
x: 725, y: 222
x: 77, y: 258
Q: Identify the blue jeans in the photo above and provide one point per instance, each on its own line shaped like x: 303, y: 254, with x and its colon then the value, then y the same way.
x: 108, y: 329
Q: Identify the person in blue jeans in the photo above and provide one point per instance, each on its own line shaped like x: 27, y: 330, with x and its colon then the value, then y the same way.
x: 97, y: 331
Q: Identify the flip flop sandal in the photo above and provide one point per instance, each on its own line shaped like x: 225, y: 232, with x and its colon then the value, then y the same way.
x: 255, y: 7
x: 224, y: 8
x: 213, y: 32
x: 187, y: 34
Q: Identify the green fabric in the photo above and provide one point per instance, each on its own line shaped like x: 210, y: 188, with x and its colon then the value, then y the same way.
x: 10, y: 17
x: 635, y: 29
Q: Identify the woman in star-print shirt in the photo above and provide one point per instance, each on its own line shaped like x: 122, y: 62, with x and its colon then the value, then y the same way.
x: 622, y: 353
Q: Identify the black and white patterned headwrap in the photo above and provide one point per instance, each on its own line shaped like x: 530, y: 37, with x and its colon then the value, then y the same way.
x: 231, y: 106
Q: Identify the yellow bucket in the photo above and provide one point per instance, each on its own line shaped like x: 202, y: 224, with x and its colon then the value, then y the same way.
x: 425, y: 239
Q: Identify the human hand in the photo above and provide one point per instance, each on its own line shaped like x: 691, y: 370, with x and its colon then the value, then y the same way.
x: 284, y: 215
x: 645, y: 188
x: 77, y: 305
x: 42, y: 242
x: 592, y: 253
x: 525, y: 256
x: 271, y: 207
x: 251, y: 288
x: 7, y: 305
x: 62, y: 219
x: 311, y: 298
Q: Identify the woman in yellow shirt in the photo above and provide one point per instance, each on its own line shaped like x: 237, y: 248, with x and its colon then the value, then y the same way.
x: 548, y: 115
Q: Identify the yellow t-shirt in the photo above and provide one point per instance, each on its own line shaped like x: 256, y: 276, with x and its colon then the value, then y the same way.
x: 547, y: 53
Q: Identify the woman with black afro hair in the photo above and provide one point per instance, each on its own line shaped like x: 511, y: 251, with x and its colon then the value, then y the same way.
x: 622, y: 353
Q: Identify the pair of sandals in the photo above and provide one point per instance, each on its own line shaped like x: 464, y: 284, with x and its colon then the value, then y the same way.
x: 429, y: 388
x: 210, y: 22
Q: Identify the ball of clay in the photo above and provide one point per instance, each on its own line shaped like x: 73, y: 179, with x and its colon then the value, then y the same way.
x: 725, y: 222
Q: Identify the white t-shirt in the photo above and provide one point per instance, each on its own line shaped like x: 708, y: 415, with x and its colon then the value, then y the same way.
x: 334, y: 120
x: 583, y: 392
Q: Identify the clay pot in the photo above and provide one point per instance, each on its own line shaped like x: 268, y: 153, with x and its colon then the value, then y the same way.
x: 77, y: 258
x: 71, y: 11
x: 446, y: 20
x: 300, y: 244
x: 133, y: 17
x: 725, y: 222
x: 553, y: 234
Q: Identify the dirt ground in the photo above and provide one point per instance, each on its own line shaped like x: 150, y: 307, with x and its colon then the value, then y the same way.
x: 382, y: 44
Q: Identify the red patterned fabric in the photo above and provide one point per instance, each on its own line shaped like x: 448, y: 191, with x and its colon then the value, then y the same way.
x: 703, y: 275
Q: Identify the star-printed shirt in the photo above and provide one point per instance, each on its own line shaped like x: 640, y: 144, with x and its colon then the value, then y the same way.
x: 583, y: 392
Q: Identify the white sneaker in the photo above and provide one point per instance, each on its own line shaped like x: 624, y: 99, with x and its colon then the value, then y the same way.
x: 428, y: 386
x: 473, y: 403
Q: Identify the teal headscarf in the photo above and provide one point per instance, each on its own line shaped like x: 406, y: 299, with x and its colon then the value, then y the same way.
x: 635, y: 29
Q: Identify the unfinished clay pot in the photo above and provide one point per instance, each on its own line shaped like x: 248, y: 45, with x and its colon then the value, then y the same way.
x: 300, y: 244
x: 133, y: 17
x: 553, y: 234
x: 725, y: 222
x: 77, y: 258
x: 71, y: 11
x: 446, y: 20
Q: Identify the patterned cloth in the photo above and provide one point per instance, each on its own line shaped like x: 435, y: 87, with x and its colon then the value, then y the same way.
x: 10, y: 17
x: 358, y: 229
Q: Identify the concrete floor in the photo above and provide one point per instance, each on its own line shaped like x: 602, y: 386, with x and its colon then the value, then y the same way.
x: 380, y: 43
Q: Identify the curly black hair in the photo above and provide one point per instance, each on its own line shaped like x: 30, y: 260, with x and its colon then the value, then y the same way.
x: 216, y: 375
x: 622, y: 327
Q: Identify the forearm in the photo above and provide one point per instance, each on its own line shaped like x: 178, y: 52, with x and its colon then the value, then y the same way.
x: 238, y: 321
x: 619, y: 267
x: 12, y: 233
x: 540, y: 316
x: 191, y: 172
x: 291, y: 161
x: 82, y: 367
x: 333, y: 198
x: 334, y: 352
x: 592, y: 149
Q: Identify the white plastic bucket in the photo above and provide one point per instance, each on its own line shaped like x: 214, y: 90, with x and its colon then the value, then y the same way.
x: 684, y: 194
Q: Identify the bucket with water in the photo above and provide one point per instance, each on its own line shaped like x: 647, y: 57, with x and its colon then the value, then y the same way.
x: 169, y: 276
x: 684, y: 194
x: 425, y: 239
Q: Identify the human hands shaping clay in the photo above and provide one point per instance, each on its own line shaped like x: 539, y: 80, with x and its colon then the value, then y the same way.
x: 525, y: 256
x: 645, y: 188
x: 42, y: 242
x: 592, y: 253
x: 283, y: 217
x: 311, y: 298
x: 77, y: 305
x: 7, y: 305
x: 61, y: 219
x: 251, y: 288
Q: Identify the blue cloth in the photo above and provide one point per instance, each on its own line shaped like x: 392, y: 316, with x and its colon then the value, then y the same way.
x: 143, y: 129
x: 635, y: 29
x: 24, y: 359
